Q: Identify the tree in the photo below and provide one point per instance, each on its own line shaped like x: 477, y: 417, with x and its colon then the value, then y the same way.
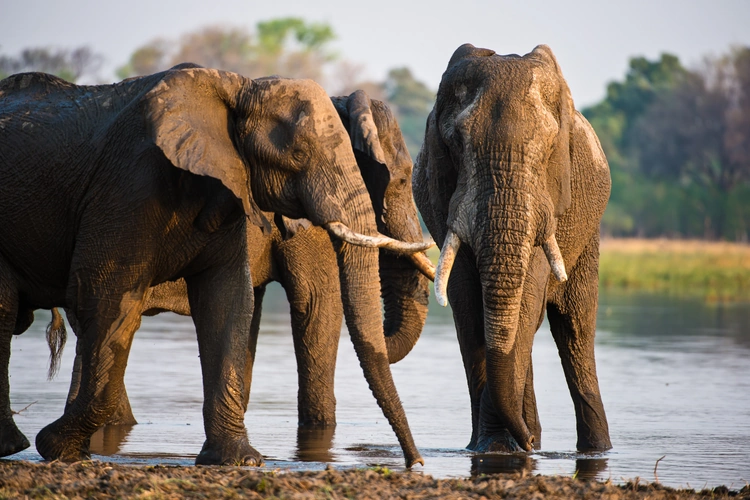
x: 698, y: 133
x: 412, y: 101
x: 67, y: 64
x: 288, y: 47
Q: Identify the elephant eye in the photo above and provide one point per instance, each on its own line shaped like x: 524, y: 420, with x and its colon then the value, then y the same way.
x: 300, y: 155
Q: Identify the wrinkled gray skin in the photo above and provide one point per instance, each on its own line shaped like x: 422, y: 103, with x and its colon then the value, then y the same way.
x: 507, y: 163
x: 108, y: 190
x: 301, y: 257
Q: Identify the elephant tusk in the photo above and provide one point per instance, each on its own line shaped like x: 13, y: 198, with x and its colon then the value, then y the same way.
x: 342, y: 232
x: 445, y: 264
x: 423, y: 265
x: 556, y: 262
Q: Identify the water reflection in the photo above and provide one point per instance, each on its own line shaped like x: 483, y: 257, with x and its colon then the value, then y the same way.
x: 501, y: 463
x: 107, y: 440
x: 314, y: 444
x: 590, y: 468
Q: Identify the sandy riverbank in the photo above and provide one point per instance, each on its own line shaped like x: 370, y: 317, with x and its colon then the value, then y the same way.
x: 103, y: 480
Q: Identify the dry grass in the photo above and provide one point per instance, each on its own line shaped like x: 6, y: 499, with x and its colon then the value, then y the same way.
x: 716, y: 271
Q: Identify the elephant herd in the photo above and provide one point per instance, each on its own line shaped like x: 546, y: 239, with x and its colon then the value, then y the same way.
x: 191, y: 189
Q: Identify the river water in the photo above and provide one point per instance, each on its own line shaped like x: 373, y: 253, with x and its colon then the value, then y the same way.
x: 674, y: 376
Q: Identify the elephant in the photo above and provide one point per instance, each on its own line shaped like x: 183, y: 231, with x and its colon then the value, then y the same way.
x: 108, y: 190
x: 512, y: 182
x: 301, y: 257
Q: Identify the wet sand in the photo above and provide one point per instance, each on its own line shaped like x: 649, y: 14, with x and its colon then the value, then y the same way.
x: 93, y: 479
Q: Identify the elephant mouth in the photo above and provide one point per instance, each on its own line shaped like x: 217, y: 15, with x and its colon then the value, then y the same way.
x: 453, y: 243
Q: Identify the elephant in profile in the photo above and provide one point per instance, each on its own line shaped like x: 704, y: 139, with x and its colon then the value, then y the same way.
x: 109, y: 190
x: 301, y: 257
x: 512, y: 182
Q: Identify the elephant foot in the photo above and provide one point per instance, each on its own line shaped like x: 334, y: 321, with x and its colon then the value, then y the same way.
x: 235, y: 452
x: 500, y: 441
x: 53, y: 443
x: 11, y: 439
x: 123, y: 415
x: 594, y: 443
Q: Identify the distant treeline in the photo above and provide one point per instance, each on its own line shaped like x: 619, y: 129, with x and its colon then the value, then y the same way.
x: 678, y: 145
x: 677, y: 139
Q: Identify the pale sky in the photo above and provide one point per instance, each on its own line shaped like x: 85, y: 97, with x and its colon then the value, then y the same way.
x: 592, y: 39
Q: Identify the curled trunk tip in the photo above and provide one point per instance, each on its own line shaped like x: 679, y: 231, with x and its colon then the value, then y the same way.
x: 445, y: 264
x: 342, y: 232
x: 556, y: 262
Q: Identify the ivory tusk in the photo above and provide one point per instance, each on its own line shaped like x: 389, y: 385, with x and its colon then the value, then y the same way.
x: 552, y: 251
x: 342, y: 232
x: 445, y: 264
x: 423, y: 265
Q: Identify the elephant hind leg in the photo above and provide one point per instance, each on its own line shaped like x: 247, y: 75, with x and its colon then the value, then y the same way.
x: 107, y: 326
x: 12, y: 439
x: 123, y: 414
x: 572, y: 317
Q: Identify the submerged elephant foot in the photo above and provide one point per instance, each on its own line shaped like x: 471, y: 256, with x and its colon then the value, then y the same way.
x: 594, y: 443
x: 11, y: 439
x: 236, y: 452
x: 53, y: 443
x: 500, y: 441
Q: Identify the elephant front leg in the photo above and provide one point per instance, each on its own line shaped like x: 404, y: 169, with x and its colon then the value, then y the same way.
x: 107, y: 326
x: 465, y: 296
x: 221, y: 301
x: 572, y: 318
x: 12, y: 439
x: 311, y: 280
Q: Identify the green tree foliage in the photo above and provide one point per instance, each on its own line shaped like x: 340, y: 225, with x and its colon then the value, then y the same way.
x: 412, y: 101
x: 677, y: 143
x: 67, y: 64
x: 288, y: 47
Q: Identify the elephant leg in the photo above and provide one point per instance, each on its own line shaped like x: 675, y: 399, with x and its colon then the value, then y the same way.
x: 310, y: 278
x: 572, y: 317
x: 123, y: 414
x: 221, y: 302
x: 12, y: 439
x: 107, y: 326
x: 465, y: 296
x: 258, y: 294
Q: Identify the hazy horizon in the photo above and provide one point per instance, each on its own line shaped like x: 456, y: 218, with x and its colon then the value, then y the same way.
x: 592, y: 41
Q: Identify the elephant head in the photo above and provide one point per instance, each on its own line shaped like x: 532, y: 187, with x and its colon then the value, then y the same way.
x: 279, y: 146
x: 386, y: 168
x: 496, y: 161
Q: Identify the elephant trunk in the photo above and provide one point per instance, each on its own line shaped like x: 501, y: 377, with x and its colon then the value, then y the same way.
x: 359, y: 279
x: 405, y: 293
x: 503, y: 260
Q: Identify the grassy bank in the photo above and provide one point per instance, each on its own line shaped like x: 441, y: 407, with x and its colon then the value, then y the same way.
x: 715, y: 271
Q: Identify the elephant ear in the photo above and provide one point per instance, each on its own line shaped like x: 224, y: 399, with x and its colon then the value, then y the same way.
x: 558, y: 171
x: 190, y: 115
x: 356, y: 113
x: 434, y: 180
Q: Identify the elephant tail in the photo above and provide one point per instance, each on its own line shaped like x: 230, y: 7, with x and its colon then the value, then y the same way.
x: 56, y: 337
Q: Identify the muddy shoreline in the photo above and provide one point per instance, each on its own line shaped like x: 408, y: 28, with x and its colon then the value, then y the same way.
x: 94, y: 479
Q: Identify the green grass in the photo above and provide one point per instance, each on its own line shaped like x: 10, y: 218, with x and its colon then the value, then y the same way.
x: 715, y: 271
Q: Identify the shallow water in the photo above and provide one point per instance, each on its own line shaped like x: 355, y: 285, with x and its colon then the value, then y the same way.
x: 674, y: 375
